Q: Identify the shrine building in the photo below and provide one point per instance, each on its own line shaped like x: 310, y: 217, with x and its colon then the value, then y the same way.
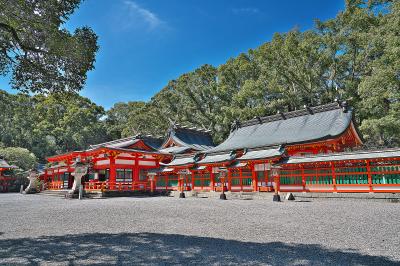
x: 316, y: 149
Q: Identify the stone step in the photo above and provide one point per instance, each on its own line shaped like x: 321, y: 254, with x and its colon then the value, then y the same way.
x: 54, y: 193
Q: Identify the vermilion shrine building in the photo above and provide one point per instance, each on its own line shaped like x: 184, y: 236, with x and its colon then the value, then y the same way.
x: 310, y: 147
x: 5, y: 176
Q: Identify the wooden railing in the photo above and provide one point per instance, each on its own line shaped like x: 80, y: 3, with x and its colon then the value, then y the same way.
x: 55, y: 185
x: 117, y: 186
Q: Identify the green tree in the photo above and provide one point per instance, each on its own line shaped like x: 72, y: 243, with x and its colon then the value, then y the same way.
x: 380, y: 87
x: 41, y: 55
x: 50, y: 124
x: 20, y: 157
x: 66, y: 122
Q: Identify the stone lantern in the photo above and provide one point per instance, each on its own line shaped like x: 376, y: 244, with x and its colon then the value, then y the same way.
x: 33, y: 177
x: 80, y: 171
x: 152, y: 179
x: 181, y: 178
x: 222, y: 177
x: 275, y: 172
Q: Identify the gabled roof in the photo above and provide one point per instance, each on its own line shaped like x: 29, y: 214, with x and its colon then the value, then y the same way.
x: 119, y: 143
x: 310, y: 124
x: 152, y: 142
x: 262, y: 153
x: 217, y: 158
x: 5, y: 165
x: 191, y: 138
x: 179, y: 161
x: 175, y: 149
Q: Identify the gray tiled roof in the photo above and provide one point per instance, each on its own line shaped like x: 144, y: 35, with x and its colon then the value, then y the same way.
x: 217, y: 158
x: 360, y: 155
x: 4, y: 164
x: 153, y: 142
x: 312, y: 124
x: 192, y: 138
x: 196, y: 139
x: 181, y: 161
x: 175, y: 149
x: 262, y: 154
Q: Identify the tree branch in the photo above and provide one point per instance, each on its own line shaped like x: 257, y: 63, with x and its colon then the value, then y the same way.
x: 18, y: 40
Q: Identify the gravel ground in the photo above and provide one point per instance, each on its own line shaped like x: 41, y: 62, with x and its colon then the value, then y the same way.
x: 45, y: 230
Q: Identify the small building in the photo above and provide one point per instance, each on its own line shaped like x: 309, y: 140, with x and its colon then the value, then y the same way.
x: 6, y: 178
x: 116, y: 165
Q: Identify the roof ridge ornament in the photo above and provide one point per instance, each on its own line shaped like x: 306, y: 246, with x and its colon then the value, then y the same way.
x: 281, y: 114
x: 235, y: 125
x: 345, y: 106
x: 309, y: 110
x: 197, y: 156
x: 258, y: 118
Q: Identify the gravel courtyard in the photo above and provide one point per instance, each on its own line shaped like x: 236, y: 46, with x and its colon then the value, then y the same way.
x: 44, y: 230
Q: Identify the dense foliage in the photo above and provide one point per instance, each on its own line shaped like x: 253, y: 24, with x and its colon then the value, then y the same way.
x: 20, y: 157
x: 47, y: 125
x: 355, y: 56
x: 36, y: 49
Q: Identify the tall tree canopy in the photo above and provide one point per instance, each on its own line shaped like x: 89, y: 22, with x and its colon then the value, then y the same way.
x: 354, y: 56
x: 51, y: 124
x: 38, y: 52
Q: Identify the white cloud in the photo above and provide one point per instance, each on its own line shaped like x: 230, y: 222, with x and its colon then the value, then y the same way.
x: 245, y: 10
x: 149, y: 18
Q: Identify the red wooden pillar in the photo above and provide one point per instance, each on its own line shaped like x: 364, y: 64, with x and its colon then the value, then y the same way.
x: 241, y: 179
x: 45, y: 177
x: 210, y: 168
x: 279, y: 184
x: 58, y: 175
x: 229, y: 180
x: 277, y: 180
x: 303, y: 178
x: 113, y: 173
x: 152, y: 184
x: 333, y: 177
x: 255, y: 179
x: 192, y: 172
x: 136, y: 171
x: 369, y: 175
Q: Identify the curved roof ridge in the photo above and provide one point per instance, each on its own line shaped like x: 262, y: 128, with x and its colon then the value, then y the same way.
x: 113, y: 141
x: 311, y: 124
x: 191, y: 129
x: 195, y: 138
x: 291, y: 114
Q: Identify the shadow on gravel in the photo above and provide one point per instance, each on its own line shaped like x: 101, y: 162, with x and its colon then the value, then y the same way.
x: 149, y: 248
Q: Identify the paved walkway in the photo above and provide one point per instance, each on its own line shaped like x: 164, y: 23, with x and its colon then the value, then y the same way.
x: 159, y: 231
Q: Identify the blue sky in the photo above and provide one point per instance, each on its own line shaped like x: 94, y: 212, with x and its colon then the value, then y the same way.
x: 144, y: 44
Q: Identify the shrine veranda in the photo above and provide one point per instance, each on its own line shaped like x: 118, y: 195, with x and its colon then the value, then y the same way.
x: 317, y: 149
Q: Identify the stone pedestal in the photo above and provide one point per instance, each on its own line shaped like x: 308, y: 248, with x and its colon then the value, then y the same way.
x: 276, y: 198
